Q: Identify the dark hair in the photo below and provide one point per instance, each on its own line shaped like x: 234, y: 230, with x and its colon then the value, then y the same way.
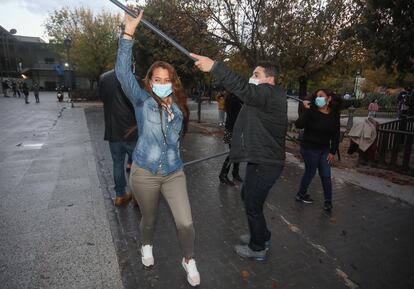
x: 179, y: 96
x: 335, y: 103
x: 270, y: 69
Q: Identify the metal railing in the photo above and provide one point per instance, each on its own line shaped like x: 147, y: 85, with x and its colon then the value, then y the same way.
x: 395, y: 145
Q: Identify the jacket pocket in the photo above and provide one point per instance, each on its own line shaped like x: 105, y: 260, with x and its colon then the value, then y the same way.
x: 153, y: 114
x: 243, y: 145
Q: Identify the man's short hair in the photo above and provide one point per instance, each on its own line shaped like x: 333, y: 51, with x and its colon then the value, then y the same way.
x: 270, y: 69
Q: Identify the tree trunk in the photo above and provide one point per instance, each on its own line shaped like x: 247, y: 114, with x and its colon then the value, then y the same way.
x: 303, y: 91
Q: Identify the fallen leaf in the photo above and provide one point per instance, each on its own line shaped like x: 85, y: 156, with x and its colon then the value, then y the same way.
x: 332, y: 220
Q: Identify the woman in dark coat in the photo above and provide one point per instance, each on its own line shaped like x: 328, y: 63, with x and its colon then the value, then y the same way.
x: 321, y: 123
x: 232, y: 106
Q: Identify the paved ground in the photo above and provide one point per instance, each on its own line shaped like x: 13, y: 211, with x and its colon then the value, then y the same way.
x: 59, y: 229
x: 365, y: 243
x: 54, y: 232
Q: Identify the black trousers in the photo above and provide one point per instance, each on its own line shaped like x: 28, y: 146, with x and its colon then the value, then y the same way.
x: 258, y: 181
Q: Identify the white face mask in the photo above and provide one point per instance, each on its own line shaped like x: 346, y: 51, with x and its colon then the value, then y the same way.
x: 254, y: 81
x: 162, y: 90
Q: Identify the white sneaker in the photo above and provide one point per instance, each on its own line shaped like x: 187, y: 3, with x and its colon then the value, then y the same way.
x: 193, y: 277
x: 146, y: 256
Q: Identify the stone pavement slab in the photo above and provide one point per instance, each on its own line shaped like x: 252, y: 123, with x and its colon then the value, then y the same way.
x: 365, y: 243
x: 54, y: 232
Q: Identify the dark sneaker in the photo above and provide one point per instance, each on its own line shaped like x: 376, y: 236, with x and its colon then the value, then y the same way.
x: 327, y: 206
x: 304, y: 198
x: 245, y: 252
x: 245, y: 240
x: 225, y: 180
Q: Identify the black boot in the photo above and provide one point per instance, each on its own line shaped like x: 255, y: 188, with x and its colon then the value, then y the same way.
x: 236, y: 175
x: 327, y: 206
x: 224, y: 171
x: 225, y: 180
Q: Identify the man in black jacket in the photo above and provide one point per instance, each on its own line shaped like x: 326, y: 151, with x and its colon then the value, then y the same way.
x: 120, y: 130
x: 258, y: 139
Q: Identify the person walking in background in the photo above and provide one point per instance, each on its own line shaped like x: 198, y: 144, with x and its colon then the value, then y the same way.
x: 15, y: 89
x: 373, y: 108
x: 26, y: 92
x: 162, y: 115
x: 120, y: 131
x: 233, y: 106
x: 258, y: 139
x: 5, y: 85
x: 36, y: 89
x: 221, y: 106
x: 404, y: 102
x: 19, y: 87
x: 321, y: 123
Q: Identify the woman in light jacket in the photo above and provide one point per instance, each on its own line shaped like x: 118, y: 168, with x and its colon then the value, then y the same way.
x: 162, y: 116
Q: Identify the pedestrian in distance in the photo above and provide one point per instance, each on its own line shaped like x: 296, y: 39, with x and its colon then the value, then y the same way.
x: 373, y: 108
x: 162, y: 114
x: 233, y: 106
x: 120, y: 131
x: 258, y: 139
x: 5, y: 85
x: 321, y: 123
x: 15, y: 89
x: 19, y: 87
x: 26, y: 92
x: 36, y: 89
x: 404, y: 101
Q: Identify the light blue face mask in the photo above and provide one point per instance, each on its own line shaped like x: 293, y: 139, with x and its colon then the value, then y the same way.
x: 162, y: 90
x: 320, y: 101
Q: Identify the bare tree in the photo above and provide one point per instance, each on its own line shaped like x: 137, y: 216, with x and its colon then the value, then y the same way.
x: 303, y: 37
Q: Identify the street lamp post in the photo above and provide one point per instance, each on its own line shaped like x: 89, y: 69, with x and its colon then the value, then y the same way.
x: 67, y: 43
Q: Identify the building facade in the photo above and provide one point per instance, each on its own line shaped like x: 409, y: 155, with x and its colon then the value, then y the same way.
x: 33, y: 60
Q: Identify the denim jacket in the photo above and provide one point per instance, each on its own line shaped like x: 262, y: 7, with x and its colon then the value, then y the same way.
x: 155, y: 152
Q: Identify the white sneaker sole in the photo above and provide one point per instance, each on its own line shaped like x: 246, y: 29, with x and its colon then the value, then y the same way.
x: 147, y: 262
x: 189, y: 280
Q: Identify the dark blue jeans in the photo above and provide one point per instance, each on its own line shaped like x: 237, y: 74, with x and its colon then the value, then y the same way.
x: 118, y: 152
x: 258, y: 181
x: 316, y: 159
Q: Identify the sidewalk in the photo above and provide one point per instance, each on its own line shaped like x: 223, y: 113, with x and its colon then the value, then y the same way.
x: 54, y: 231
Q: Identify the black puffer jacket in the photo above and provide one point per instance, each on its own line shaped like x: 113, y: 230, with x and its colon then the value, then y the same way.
x: 260, y: 129
x: 118, y: 110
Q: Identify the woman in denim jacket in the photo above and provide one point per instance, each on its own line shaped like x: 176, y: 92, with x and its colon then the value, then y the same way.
x: 162, y: 116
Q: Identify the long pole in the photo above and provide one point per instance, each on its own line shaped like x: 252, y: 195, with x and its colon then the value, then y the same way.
x: 295, y: 98
x: 206, y: 158
x: 153, y: 28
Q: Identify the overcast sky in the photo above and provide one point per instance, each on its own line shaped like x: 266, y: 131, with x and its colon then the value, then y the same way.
x: 28, y: 16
